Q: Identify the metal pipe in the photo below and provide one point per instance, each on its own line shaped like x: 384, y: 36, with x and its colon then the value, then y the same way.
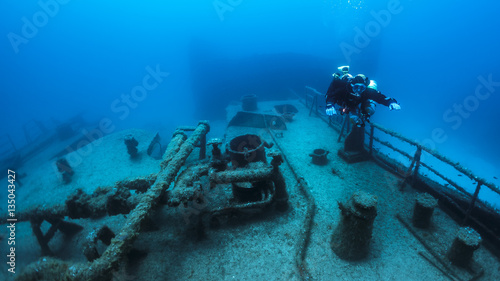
x: 173, y: 147
x: 257, y: 171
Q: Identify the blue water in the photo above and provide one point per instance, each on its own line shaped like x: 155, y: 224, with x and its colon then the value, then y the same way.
x: 159, y: 64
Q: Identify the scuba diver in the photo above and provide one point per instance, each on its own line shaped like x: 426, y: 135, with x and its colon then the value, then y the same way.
x: 355, y: 95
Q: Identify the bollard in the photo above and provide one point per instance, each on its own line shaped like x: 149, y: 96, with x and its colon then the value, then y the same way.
x: 463, y: 247
x: 351, y: 239
x: 423, y: 210
x: 319, y: 156
x: 131, y: 144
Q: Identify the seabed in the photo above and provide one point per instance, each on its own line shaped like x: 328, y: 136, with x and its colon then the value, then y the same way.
x: 271, y: 214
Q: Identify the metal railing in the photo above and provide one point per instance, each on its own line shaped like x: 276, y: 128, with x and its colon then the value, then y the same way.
x: 312, y: 100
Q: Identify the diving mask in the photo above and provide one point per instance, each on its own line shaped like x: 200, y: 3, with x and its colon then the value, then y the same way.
x: 344, y: 69
x: 358, y: 88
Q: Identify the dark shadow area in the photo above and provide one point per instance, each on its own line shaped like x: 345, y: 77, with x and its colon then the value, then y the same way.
x: 218, y: 81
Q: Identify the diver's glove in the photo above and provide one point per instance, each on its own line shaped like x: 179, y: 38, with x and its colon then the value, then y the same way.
x: 330, y: 110
x: 394, y: 106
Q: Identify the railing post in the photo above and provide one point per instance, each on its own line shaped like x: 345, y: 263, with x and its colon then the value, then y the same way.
x: 316, y: 105
x: 372, y: 130
x: 417, y: 162
x: 342, y: 129
x: 472, y: 202
x: 314, y: 100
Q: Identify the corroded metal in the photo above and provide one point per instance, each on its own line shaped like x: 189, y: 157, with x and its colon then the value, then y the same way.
x: 122, y: 243
x: 131, y: 229
x: 256, y: 171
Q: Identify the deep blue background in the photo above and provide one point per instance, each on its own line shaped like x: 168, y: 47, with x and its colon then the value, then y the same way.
x: 84, y: 55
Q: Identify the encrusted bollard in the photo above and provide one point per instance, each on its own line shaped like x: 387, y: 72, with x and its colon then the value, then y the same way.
x: 319, y: 156
x: 351, y: 239
x: 463, y: 247
x: 65, y: 169
x: 423, y: 210
x: 131, y: 144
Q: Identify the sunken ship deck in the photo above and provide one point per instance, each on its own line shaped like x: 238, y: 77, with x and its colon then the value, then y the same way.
x: 284, y: 214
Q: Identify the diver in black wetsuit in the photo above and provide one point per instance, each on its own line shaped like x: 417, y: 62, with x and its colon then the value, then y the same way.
x: 355, y: 95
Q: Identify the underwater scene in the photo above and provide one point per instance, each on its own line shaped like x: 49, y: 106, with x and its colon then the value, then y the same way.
x: 250, y: 140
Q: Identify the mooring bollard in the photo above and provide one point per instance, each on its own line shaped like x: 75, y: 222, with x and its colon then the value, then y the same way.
x: 423, y: 210
x: 351, y: 239
x: 463, y: 247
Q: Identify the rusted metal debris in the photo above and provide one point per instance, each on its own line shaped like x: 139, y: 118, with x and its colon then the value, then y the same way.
x: 101, y: 268
x: 150, y: 192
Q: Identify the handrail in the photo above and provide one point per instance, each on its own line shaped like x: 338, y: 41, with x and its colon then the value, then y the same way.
x: 440, y: 157
x: 450, y: 181
x: 314, y: 90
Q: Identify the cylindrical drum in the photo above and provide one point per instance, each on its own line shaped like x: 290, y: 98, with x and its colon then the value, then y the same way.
x: 463, y: 247
x: 423, y: 210
x: 351, y: 239
x: 245, y: 149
